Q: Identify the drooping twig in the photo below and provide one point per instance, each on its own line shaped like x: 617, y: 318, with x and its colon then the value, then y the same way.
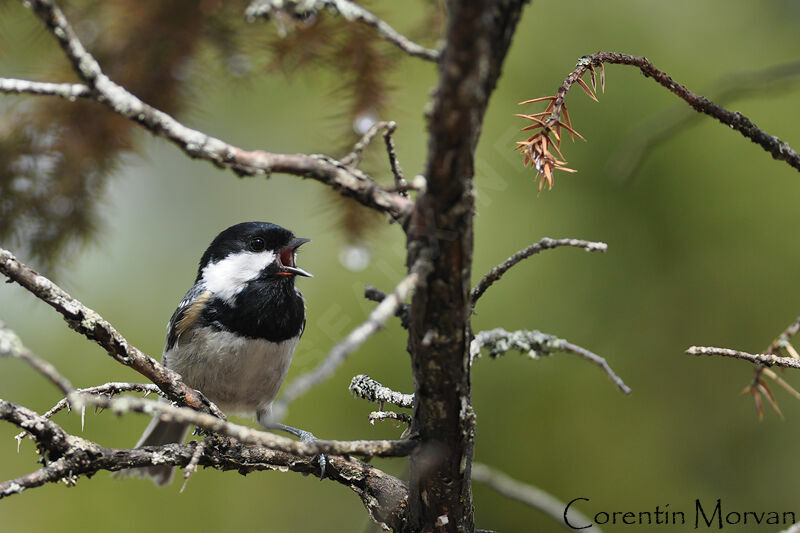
x: 348, y: 181
x: 90, y: 324
x: 11, y: 346
x: 364, y: 387
x: 777, y: 148
x: 191, y: 468
x: 545, y: 244
x: 655, y: 129
x: 350, y: 11
x: 375, y: 321
x: 68, y: 91
x: 536, y: 344
x: 527, y: 494
x: 766, y: 359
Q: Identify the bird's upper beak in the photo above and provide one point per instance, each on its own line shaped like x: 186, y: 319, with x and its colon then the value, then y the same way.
x: 286, y: 266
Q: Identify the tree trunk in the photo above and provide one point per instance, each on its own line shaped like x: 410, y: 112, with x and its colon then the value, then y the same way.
x: 440, y: 231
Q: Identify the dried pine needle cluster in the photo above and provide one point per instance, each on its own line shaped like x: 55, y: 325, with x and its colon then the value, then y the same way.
x: 547, y: 126
x: 759, y: 388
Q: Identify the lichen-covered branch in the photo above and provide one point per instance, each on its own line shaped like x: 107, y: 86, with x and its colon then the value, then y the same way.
x: 350, y: 11
x: 544, y: 244
x: 364, y: 387
x: 537, y: 344
x: 91, y: 325
x: 766, y: 359
x: 68, y: 91
x: 70, y: 457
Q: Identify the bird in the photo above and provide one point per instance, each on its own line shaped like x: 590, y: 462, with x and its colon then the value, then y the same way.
x: 233, y: 335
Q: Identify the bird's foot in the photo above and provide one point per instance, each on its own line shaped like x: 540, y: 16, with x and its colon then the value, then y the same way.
x: 308, y: 438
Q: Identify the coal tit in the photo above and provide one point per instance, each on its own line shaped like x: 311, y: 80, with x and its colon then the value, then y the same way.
x: 233, y: 335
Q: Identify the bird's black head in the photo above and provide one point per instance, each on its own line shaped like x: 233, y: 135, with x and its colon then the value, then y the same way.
x: 249, y: 251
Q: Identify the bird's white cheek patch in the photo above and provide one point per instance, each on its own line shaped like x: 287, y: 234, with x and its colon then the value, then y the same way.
x: 227, y: 277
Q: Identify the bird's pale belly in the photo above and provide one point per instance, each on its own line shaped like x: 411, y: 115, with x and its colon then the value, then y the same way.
x: 240, y: 375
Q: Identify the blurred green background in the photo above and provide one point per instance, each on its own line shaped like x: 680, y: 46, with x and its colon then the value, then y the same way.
x: 700, y: 252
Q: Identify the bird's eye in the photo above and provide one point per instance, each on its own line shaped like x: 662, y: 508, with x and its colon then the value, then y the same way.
x: 257, y: 244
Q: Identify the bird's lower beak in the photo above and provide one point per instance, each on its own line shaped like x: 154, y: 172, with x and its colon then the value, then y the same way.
x: 287, y: 267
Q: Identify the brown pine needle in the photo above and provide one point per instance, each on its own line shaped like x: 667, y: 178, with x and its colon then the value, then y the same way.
x: 594, y: 78
x: 602, y: 77
x: 542, y: 99
x: 565, y: 169
x: 768, y: 395
x: 586, y: 89
x: 779, y: 380
x: 575, y: 133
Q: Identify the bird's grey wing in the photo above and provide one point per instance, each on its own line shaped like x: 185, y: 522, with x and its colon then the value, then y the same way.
x: 186, y: 315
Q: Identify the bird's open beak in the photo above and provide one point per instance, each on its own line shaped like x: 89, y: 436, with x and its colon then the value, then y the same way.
x: 286, y: 259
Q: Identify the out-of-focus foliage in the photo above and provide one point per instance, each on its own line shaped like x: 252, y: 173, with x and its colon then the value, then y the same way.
x: 702, y: 250
x: 56, y: 159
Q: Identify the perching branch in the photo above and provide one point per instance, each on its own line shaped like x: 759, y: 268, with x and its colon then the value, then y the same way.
x: 350, y: 11
x: 766, y: 359
x: 527, y: 494
x: 170, y: 413
x: 375, y: 321
x: 348, y: 181
x: 545, y: 244
x: 90, y: 324
x: 536, y: 344
x: 777, y: 148
x: 71, y: 457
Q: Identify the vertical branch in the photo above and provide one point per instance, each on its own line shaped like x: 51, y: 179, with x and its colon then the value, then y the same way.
x: 478, y: 36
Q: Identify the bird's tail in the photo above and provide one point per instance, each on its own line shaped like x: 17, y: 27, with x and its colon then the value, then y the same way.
x: 157, y: 433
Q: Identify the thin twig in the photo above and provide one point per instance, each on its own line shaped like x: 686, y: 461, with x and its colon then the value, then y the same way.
x: 199, y: 449
x: 350, y: 11
x: 108, y: 389
x: 400, y: 183
x: 528, y: 494
x: 348, y: 181
x: 545, y: 244
x: 644, y: 137
x: 766, y: 359
x: 90, y: 324
x: 11, y: 346
x: 777, y: 148
x: 68, y: 91
x: 376, y: 295
x: 353, y: 159
x: 364, y: 387
x: 537, y: 344
x: 375, y: 321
